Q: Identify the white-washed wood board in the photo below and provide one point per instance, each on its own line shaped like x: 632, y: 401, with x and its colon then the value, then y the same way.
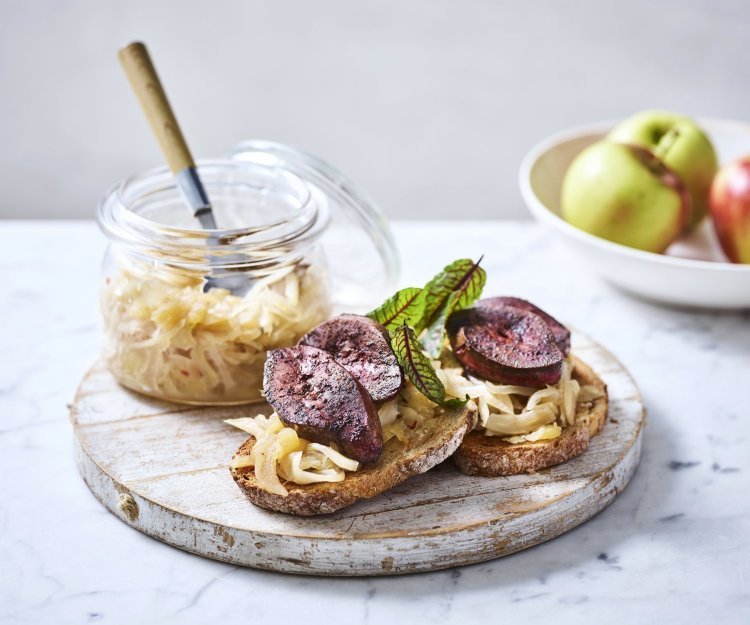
x: 163, y: 469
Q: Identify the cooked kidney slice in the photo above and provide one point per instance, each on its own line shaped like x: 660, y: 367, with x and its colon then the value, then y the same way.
x: 559, y: 331
x: 506, y: 344
x: 315, y: 395
x: 363, y: 348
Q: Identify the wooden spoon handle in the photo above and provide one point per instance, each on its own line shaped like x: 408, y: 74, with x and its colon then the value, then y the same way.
x: 144, y: 80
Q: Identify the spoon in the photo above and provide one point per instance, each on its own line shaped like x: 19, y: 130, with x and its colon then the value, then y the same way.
x: 141, y: 73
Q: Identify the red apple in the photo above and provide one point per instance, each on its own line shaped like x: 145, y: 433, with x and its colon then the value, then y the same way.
x: 729, y: 202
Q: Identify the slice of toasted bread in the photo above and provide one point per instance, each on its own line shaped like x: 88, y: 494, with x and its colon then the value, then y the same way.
x: 490, y: 456
x: 431, y: 442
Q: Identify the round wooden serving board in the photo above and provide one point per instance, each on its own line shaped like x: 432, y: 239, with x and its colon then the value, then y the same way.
x: 162, y: 468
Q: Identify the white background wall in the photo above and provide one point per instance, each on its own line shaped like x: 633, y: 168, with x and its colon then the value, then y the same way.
x: 428, y: 104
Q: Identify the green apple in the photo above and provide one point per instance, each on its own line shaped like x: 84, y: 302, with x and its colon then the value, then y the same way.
x: 683, y: 147
x: 623, y: 193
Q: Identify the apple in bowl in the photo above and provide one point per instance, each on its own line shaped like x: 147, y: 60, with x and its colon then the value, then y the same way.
x: 730, y: 209
x: 622, y: 193
x: 691, y: 155
x: 692, y: 273
x: 644, y: 184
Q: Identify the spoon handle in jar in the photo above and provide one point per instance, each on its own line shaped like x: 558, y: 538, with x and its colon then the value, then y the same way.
x: 144, y: 80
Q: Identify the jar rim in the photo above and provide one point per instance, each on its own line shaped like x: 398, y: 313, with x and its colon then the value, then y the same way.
x: 122, y: 224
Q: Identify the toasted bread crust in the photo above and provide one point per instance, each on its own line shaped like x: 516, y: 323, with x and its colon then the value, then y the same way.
x: 490, y: 456
x: 433, y: 441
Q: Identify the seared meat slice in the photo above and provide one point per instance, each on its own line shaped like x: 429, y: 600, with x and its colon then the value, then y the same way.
x: 506, y: 344
x: 362, y: 346
x: 560, y: 332
x: 320, y: 399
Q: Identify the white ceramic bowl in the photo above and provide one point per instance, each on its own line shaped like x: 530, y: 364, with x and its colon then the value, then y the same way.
x: 694, y: 272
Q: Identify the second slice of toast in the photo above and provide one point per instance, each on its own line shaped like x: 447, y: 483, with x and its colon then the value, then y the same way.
x: 491, y: 456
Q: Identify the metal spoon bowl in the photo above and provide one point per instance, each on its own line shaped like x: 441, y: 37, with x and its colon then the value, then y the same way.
x: 144, y: 80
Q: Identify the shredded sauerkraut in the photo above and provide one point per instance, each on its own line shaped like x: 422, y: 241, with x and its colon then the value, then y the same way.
x: 279, y: 452
x: 403, y: 414
x: 167, y: 338
x: 517, y: 413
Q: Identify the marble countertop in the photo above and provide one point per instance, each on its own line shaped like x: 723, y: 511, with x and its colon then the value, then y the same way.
x: 674, y: 547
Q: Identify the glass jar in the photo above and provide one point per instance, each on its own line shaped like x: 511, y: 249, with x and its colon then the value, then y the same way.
x: 189, y: 314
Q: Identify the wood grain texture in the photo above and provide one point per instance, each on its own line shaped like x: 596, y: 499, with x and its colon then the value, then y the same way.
x: 172, y: 461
